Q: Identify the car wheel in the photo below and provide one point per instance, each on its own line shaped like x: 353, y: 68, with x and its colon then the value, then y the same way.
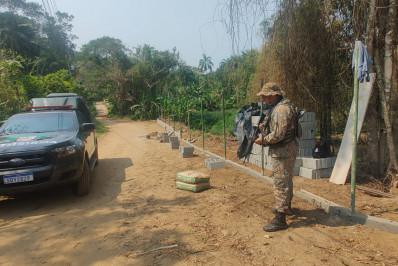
x: 83, y: 186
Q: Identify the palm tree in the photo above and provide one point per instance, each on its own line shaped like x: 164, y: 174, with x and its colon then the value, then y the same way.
x: 205, y: 63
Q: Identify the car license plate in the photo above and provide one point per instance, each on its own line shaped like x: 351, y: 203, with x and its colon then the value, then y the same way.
x: 18, y: 178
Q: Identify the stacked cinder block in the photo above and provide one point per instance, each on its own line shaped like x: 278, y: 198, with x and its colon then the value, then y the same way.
x: 214, y: 163
x: 174, y: 143
x: 192, y: 181
x: 314, y: 168
x: 186, y: 151
x: 306, y: 166
x: 307, y: 140
x: 255, y: 156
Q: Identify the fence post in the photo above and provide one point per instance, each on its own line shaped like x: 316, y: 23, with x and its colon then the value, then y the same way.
x: 189, y: 125
x: 203, y: 128
x: 179, y: 108
x: 355, y: 132
x: 223, y: 115
x: 174, y: 121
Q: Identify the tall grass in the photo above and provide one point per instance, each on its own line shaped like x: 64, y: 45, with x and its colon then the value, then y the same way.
x: 213, y: 121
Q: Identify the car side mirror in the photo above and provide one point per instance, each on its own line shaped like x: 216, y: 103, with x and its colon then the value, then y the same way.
x: 87, y: 127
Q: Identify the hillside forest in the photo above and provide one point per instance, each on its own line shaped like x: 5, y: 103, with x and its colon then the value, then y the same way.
x: 307, y: 50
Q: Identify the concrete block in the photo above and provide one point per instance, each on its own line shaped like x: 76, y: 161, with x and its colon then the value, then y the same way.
x: 325, y: 173
x: 186, y: 155
x: 314, y: 163
x: 305, y: 126
x: 186, y: 151
x: 307, y: 117
x: 319, y: 163
x: 305, y: 144
x: 315, y: 173
x: 308, y: 134
x: 173, y: 138
x: 308, y: 173
x: 166, y: 138
x: 305, y: 152
x: 214, y: 163
x: 174, y: 144
x: 299, y: 162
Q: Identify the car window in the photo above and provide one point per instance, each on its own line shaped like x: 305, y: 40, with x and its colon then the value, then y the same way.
x: 40, y: 122
x: 82, y: 117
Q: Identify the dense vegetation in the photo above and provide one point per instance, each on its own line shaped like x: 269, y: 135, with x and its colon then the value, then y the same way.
x: 307, y: 50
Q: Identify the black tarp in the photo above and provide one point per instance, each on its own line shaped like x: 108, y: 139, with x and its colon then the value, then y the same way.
x: 244, y: 130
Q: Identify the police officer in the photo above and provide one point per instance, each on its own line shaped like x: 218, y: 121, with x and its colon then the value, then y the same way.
x: 279, y: 133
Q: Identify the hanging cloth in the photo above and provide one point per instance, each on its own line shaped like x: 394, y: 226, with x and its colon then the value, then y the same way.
x: 364, y: 62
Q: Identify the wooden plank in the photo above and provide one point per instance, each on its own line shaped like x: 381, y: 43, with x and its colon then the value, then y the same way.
x: 344, y: 157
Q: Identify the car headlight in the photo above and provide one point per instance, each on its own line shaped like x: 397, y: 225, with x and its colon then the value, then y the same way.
x: 64, y: 151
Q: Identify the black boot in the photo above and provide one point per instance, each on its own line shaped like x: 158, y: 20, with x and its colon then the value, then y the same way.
x: 278, y: 223
x: 288, y: 212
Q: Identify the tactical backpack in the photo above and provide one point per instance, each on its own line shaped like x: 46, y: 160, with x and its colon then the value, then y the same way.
x: 323, y: 149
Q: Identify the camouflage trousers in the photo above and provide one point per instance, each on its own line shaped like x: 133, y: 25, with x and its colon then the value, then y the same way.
x: 282, y: 171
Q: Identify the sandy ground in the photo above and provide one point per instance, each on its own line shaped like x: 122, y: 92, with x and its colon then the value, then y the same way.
x: 134, y: 215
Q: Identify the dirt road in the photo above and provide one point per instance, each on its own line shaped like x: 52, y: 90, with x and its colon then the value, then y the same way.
x: 135, y: 216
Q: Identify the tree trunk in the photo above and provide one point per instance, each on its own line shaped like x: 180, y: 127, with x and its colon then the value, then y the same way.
x: 392, y: 166
x: 388, y: 51
x: 372, y: 115
x: 394, y: 98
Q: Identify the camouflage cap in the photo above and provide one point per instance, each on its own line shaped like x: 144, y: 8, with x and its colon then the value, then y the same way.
x: 269, y: 89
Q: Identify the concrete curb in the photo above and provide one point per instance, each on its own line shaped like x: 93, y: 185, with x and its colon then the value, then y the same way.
x: 328, y: 206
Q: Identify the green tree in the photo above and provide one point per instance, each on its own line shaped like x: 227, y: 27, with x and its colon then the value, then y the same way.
x: 152, y: 74
x: 205, y: 64
x: 61, y: 82
x: 102, y: 65
x: 12, y: 97
x: 17, y: 34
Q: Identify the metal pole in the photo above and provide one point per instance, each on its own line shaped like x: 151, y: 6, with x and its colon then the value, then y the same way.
x: 174, y: 121
x: 179, y: 108
x: 189, y: 125
x: 262, y: 148
x: 355, y: 132
x: 223, y: 115
x: 203, y: 128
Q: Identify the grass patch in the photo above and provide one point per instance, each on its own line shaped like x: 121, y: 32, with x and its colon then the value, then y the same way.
x: 99, y: 127
x: 213, y: 121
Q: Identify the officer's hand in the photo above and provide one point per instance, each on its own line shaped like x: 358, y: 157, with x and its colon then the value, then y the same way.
x: 258, y: 141
x: 260, y: 127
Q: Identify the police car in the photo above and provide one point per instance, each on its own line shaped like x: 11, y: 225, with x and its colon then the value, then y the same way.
x: 53, y: 143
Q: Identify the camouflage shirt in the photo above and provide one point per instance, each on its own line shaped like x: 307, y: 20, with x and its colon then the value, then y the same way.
x: 282, y: 121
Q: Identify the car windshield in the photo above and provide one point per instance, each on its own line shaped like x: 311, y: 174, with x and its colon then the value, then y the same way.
x: 39, y: 123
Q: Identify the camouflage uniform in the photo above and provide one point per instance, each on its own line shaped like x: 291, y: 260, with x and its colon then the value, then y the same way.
x: 280, y: 137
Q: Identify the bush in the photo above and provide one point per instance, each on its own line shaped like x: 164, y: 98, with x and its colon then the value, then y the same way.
x: 213, y: 121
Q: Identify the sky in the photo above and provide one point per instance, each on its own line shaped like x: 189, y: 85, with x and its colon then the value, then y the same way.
x: 194, y: 27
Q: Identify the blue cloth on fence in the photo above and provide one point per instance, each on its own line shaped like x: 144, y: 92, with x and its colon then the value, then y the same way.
x: 364, y: 62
